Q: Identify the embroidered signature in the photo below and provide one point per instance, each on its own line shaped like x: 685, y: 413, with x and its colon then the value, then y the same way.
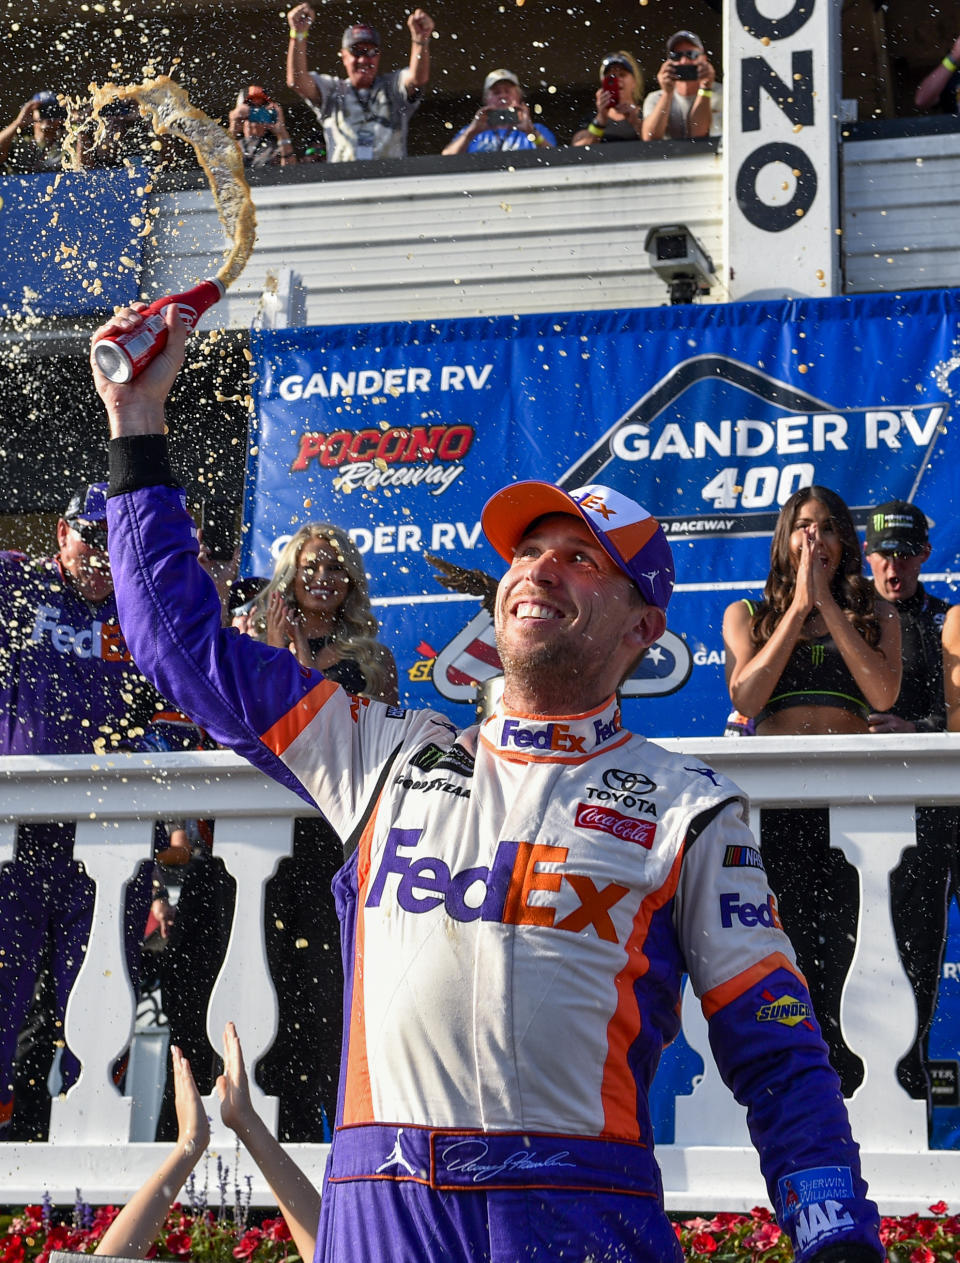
x: 467, y: 1156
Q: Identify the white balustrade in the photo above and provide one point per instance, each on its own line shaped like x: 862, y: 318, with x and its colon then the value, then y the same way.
x: 870, y: 785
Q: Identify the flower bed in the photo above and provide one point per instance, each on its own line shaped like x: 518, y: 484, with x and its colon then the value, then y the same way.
x: 202, y: 1234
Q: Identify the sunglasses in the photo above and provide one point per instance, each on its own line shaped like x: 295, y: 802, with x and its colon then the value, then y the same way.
x: 363, y: 51
x: 691, y: 54
x: 93, y: 536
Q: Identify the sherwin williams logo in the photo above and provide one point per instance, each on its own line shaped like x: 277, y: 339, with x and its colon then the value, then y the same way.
x: 500, y: 892
x: 606, y: 820
x: 785, y: 1009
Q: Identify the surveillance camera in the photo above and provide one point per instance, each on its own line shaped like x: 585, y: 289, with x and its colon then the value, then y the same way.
x: 679, y: 258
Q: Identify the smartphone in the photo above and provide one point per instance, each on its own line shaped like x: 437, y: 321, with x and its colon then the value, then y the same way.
x: 261, y: 114
x: 685, y: 70
x: 611, y: 84
x: 502, y: 118
x: 218, y: 524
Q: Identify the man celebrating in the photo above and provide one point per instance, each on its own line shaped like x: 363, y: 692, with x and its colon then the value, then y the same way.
x: 367, y: 114
x: 67, y: 686
x: 897, y: 546
x: 516, y: 945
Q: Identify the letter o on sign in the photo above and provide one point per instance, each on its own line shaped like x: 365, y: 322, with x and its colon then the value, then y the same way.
x: 776, y: 218
x: 752, y: 20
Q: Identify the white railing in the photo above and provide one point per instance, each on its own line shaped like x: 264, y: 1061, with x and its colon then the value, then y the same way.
x: 870, y: 785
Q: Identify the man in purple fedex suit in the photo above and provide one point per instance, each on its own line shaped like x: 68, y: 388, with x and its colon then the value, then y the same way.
x: 67, y: 686
x: 513, y: 946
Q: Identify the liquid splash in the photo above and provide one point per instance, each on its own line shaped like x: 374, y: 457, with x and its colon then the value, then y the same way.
x: 166, y: 104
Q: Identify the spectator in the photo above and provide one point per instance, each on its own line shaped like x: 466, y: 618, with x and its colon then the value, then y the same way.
x: 261, y: 130
x: 514, y: 953
x: 941, y: 87
x: 816, y: 656
x: 618, y: 115
x: 42, y: 148
x: 921, y: 888
x: 316, y: 605
x: 67, y: 686
x: 503, y: 121
x: 367, y: 114
x: 684, y: 106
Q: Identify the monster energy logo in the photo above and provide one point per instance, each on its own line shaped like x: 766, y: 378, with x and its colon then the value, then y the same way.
x: 817, y: 653
x: 878, y: 521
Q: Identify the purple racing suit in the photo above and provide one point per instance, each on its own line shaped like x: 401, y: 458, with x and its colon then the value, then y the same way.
x: 520, y: 903
x: 67, y: 686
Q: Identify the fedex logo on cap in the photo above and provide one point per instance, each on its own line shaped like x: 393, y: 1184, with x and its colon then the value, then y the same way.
x: 608, y: 508
x: 498, y: 892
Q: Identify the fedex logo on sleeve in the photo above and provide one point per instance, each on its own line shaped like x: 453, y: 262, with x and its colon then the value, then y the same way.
x: 498, y: 892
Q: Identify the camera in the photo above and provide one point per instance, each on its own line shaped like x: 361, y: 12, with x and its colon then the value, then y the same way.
x: 261, y: 114
x: 502, y: 118
x: 685, y: 70
x: 679, y: 259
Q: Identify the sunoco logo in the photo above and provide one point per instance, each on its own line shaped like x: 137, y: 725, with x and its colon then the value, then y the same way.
x: 787, y: 1010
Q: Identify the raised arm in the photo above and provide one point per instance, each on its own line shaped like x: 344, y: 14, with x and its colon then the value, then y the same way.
x: 133, y: 1231
x: 753, y: 671
x: 421, y: 32
x: 876, y: 671
x: 298, y: 1200
x: 8, y: 134
x: 951, y: 667
x: 300, y: 19
x: 932, y: 85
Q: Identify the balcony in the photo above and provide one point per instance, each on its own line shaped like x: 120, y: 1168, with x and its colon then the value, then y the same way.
x: 870, y: 785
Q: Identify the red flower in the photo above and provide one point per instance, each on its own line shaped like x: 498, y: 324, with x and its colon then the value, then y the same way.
x: 248, y: 1243
x: 276, y: 1229
x: 922, y: 1255
x: 764, y: 1237
x: 703, y: 1243
x: 762, y: 1213
x: 12, y: 1250
x: 938, y: 1208
x: 179, y: 1244
x: 927, y: 1228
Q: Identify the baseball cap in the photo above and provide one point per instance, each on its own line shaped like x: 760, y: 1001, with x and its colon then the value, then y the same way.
x: 497, y: 76
x: 626, y: 532
x: 255, y: 95
x: 86, y: 512
x: 359, y: 33
x: 689, y: 36
x: 48, y: 104
x: 896, y: 527
x: 614, y: 59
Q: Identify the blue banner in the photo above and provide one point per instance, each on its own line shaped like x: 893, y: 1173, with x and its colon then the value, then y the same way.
x: 710, y: 416
x: 72, y: 243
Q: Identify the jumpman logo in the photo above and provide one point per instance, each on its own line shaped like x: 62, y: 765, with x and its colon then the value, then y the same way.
x: 395, y: 1157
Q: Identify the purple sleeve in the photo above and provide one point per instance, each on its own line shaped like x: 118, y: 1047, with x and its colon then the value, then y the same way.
x: 231, y: 685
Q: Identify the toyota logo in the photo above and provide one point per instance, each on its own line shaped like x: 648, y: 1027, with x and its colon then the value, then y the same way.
x: 628, y: 782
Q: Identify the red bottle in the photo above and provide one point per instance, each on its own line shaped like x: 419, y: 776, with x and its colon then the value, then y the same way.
x: 121, y: 356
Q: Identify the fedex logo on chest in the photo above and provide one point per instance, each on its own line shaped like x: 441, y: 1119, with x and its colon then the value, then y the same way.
x: 99, y: 640
x: 500, y: 891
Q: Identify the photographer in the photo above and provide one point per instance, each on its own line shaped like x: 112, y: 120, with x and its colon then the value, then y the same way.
x: 618, y: 115
x: 683, y: 106
x: 33, y: 141
x: 503, y: 121
x: 258, y: 125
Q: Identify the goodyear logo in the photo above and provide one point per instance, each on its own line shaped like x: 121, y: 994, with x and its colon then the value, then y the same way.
x: 499, y: 892
x: 787, y: 1010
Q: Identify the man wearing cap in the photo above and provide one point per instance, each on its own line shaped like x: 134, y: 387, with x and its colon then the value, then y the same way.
x: 684, y: 106
x: 67, y: 686
x: 514, y: 935
x: 921, y: 888
x: 503, y: 121
x: 367, y: 114
x: 41, y: 149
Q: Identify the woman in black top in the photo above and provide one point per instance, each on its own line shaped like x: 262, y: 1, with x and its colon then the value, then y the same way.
x: 814, y: 657
x: 316, y: 605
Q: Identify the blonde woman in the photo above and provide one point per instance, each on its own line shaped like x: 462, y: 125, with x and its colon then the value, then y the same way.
x: 317, y: 606
x: 618, y: 116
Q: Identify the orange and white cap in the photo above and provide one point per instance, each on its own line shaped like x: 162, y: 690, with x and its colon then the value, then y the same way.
x: 626, y: 532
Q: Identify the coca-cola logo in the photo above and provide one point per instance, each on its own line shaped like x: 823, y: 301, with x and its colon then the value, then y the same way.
x: 189, y: 315
x: 606, y: 820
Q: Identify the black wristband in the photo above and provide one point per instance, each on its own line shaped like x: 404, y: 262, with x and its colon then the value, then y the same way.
x: 139, y: 460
